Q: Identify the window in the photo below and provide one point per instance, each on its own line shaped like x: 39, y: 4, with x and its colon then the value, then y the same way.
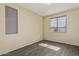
x: 58, y: 24
x: 11, y: 23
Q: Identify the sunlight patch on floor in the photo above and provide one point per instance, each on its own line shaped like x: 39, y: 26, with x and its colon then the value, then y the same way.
x: 55, y: 48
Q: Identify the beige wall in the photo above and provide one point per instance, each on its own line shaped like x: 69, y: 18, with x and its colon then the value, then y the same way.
x: 72, y: 34
x: 29, y: 28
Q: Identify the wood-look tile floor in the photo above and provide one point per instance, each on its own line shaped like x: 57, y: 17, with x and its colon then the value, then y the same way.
x: 36, y: 50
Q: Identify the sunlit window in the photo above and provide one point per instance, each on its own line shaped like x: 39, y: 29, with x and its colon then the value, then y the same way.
x: 58, y: 24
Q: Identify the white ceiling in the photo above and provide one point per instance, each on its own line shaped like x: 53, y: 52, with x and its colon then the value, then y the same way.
x: 44, y: 9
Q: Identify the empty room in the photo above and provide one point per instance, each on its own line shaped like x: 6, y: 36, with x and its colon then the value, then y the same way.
x: 39, y: 29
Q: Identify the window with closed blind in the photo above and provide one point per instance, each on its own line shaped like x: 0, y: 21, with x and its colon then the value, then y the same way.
x: 11, y: 20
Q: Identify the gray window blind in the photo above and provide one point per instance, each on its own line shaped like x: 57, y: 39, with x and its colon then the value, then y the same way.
x: 11, y: 20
